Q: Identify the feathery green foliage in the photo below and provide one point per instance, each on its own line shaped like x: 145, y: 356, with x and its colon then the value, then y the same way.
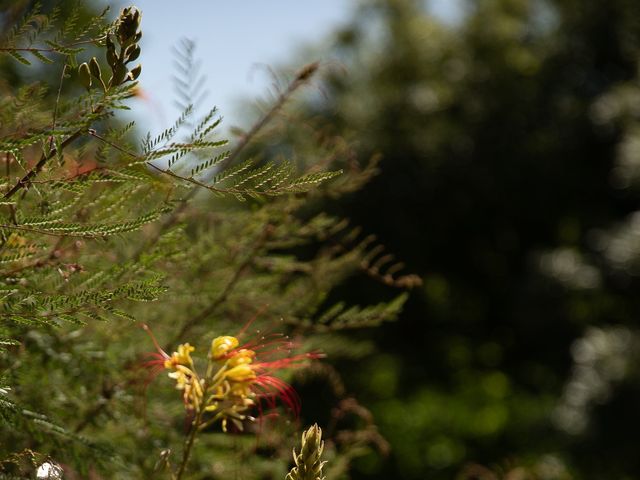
x: 101, y: 232
x: 308, y: 465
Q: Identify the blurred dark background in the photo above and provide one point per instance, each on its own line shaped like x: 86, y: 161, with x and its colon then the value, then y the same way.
x: 510, y: 142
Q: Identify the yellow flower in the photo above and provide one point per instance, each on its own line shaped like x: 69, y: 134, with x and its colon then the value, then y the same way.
x: 240, y: 373
x: 241, y: 357
x: 220, y: 346
x: 180, y: 378
x: 242, y: 390
x: 193, y: 395
x: 237, y: 378
x: 181, y: 357
x: 189, y: 383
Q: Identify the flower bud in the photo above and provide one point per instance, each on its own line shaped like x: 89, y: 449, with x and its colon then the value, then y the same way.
x: 112, y: 56
x: 131, y: 53
x: 241, y: 373
x: 220, y: 346
x: 241, y: 357
x: 308, y: 463
x: 135, y: 72
x: 84, y: 75
x: 94, y: 68
x: 119, y: 74
x: 129, y: 23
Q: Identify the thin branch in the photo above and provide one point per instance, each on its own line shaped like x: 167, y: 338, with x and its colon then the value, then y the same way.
x: 48, y: 232
x: 24, y: 181
x: 302, y: 77
x: 186, y: 452
x: 49, y: 49
x: 54, y: 253
x: 90, y: 414
x: 12, y: 208
x: 168, y: 172
x: 193, y: 180
x: 76, y: 175
x: 55, y: 107
x: 95, y: 134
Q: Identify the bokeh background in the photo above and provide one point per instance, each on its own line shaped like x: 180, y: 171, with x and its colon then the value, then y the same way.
x: 510, y: 141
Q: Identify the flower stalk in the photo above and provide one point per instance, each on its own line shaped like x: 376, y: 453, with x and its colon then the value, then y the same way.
x: 188, y: 444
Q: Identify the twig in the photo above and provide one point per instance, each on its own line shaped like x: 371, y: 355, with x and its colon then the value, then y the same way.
x: 12, y: 209
x: 186, y: 453
x: 301, y: 78
x: 94, y: 411
x: 192, y: 180
x: 24, y: 181
x: 49, y: 49
x: 55, y: 107
x: 95, y: 134
x: 50, y: 233
x: 52, y: 255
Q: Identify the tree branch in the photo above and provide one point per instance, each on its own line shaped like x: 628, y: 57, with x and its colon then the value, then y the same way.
x: 302, y: 77
x: 24, y: 181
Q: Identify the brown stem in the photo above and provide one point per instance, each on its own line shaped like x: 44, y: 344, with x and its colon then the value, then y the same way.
x: 195, y: 426
x: 186, y: 453
x: 301, y: 78
x: 24, y: 181
x: 56, y: 106
x: 52, y: 50
x: 12, y: 208
x: 47, y: 232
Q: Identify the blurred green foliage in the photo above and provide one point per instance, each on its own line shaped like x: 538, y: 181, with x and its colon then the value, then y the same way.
x: 510, y: 147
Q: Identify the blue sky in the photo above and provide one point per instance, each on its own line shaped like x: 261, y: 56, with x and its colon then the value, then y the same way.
x: 235, y: 39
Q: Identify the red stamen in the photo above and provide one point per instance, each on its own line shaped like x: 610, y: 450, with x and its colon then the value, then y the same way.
x: 252, y: 319
x: 274, y: 389
x: 161, y: 352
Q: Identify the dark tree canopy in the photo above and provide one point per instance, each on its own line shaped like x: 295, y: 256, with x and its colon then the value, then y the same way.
x: 510, y: 152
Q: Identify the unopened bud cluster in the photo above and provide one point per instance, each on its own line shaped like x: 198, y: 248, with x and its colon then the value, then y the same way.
x: 308, y: 463
x: 122, y: 48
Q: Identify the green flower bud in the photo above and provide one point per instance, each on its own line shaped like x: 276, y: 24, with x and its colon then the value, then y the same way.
x: 112, y: 56
x: 94, y: 68
x: 131, y: 53
x: 135, y: 72
x: 119, y: 74
x: 127, y: 28
x: 308, y: 465
x: 84, y: 75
